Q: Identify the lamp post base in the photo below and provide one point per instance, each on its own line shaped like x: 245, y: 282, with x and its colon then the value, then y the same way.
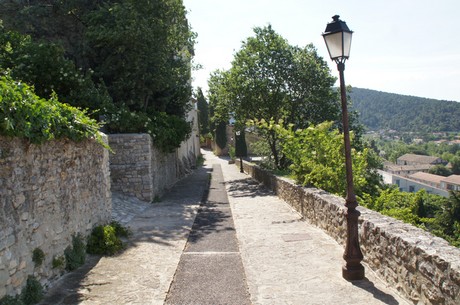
x: 353, y: 273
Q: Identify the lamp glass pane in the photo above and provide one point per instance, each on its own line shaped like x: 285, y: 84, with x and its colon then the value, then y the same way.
x: 334, y: 44
x: 346, y: 44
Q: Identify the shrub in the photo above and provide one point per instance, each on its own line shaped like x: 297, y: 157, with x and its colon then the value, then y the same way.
x: 105, y: 240
x: 33, y: 292
x: 23, y: 114
x: 38, y: 256
x: 59, y: 262
x: 75, y: 255
x: 10, y: 300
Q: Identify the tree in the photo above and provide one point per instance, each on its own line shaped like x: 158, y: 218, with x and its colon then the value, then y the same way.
x: 221, y: 134
x: 45, y: 66
x: 316, y: 153
x: 270, y: 79
x: 203, y: 112
x: 140, y: 51
x: 455, y: 162
x: 440, y: 170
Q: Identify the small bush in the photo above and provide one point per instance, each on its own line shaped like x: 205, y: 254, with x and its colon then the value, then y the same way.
x: 10, y: 300
x: 75, y: 256
x: 38, y: 256
x: 59, y: 262
x: 33, y: 292
x: 104, y: 240
x: 200, y: 161
x: 120, y: 231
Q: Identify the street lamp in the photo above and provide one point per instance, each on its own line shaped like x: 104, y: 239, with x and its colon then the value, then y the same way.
x: 338, y: 41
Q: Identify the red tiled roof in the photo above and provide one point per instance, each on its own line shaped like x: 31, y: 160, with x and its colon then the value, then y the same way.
x: 421, y: 159
x: 452, y: 179
x: 427, y: 177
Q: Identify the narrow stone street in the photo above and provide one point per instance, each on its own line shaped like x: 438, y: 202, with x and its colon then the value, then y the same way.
x: 239, y: 245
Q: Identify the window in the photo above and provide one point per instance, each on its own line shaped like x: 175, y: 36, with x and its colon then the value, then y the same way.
x: 398, y: 182
x: 411, y: 188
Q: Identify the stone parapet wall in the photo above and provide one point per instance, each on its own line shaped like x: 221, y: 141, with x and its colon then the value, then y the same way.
x: 48, y: 193
x: 141, y: 170
x: 422, y: 267
x: 131, y: 165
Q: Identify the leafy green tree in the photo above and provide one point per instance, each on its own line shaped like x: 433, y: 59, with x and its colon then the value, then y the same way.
x: 455, y: 162
x: 317, y: 157
x: 270, y: 79
x: 45, y: 66
x: 140, y: 51
x: 203, y: 112
x: 440, y: 170
x: 221, y: 134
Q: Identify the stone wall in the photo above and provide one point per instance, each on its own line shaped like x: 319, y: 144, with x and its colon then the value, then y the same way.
x: 48, y: 193
x: 424, y: 268
x: 139, y: 169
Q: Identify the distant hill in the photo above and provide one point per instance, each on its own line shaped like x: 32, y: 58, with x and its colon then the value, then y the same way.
x: 382, y: 110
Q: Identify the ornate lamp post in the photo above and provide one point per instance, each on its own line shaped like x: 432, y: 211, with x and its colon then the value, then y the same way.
x: 338, y: 41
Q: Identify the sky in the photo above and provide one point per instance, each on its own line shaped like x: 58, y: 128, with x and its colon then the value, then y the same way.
x: 409, y: 47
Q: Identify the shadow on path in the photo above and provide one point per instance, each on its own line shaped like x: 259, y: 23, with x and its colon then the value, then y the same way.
x: 248, y: 188
x: 378, y: 294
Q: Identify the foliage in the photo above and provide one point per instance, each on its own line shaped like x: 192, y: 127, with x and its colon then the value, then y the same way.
x: 58, y: 262
x: 261, y: 148
x: 392, y: 150
x: 105, y: 239
x: 447, y: 223
x: 121, y: 57
x: 317, y: 157
x: 44, y: 66
x: 440, y: 170
x: 203, y: 112
x: 38, y: 256
x: 120, y: 230
x: 75, y: 255
x: 221, y: 134
x: 270, y: 79
x: 231, y: 152
x: 167, y: 131
x: 25, y: 115
x: 200, y: 161
x: 381, y: 110
x: 33, y: 292
x: 438, y: 215
x: 10, y: 300
x: 142, y: 51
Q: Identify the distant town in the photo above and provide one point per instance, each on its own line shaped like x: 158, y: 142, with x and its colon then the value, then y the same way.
x: 411, y: 174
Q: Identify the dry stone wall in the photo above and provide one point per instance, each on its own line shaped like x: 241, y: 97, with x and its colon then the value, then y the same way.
x: 48, y: 193
x: 139, y: 169
x: 424, y: 268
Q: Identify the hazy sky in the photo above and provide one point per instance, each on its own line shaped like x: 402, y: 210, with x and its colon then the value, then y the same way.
x: 409, y: 47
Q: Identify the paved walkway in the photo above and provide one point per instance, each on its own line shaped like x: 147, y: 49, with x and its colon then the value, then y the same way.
x: 269, y: 252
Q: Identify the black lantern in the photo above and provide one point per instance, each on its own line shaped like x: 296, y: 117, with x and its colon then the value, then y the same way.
x: 338, y: 41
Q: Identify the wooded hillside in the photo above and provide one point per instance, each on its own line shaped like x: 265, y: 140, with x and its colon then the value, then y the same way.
x: 382, y: 110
